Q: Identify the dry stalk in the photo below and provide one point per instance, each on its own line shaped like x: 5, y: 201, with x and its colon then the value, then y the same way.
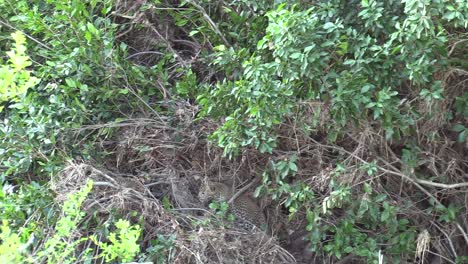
x: 242, y: 190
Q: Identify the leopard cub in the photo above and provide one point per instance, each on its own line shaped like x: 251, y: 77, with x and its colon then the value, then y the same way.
x: 247, y: 213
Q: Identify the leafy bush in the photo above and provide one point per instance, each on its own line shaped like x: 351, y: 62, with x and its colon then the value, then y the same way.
x: 161, y: 249
x: 84, y: 79
x: 353, y: 233
x: 358, y: 231
x: 74, y: 74
x: 60, y: 247
x: 359, y: 62
x: 12, y: 248
x: 63, y: 245
x: 358, y: 59
x: 325, y: 69
x: 15, y: 80
x: 123, y: 244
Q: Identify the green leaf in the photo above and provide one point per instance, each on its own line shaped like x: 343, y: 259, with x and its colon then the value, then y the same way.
x: 70, y: 83
x: 462, y: 136
x: 458, y: 128
x: 295, y: 55
x: 293, y: 166
x: 328, y: 25
x: 260, y: 44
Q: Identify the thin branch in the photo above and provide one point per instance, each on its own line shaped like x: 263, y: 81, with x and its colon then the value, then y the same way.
x: 440, y: 256
x: 154, y: 183
x: 412, y: 179
x: 212, y: 24
x: 442, y: 185
x: 455, y: 45
x: 448, y: 239
x: 191, y: 209
x: 27, y: 35
x: 242, y: 190
x: 168, y: 44
x: 144, y: 52
x: 105, y: 184
x: 105, y: 175
x: 463, y: 232
x: 420, y: 181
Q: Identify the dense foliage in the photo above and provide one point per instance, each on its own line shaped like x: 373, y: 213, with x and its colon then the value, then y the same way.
x: 378, y: 86
x: 360, y: 60
x: 77, y: 77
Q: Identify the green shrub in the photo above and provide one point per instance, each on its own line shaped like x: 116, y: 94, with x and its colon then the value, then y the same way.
x: 123, y: 243
x: 359, y: 62
x: 12, y: 247
x: 161, y: 249
x: 364, y: 64
x: 60, y: 247
x: 354, y: 234
x: 15, y: 80
x: 74, y: 74
x: 360, y: 229
x: 63, y: 244
x: 84, y: 79
x: 356, y: 58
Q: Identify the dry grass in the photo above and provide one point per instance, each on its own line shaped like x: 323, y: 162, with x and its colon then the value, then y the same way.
x: 150, y: 162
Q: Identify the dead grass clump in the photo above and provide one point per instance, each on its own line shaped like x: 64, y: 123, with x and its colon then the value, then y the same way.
x: 151, y: 163
x: 113, y: 193
x: 231, y: 246
x: 130, y: 197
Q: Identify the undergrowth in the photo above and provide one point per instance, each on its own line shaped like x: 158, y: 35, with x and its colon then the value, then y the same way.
x: 352, y: 115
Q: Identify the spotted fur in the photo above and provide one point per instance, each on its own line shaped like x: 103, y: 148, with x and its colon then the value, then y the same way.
x: 247, y: 213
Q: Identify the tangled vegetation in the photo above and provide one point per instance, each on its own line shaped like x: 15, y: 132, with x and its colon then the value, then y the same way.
x: 347, y: 119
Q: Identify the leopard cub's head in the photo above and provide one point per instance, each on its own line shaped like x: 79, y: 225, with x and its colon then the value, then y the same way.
x: 214, y: 191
